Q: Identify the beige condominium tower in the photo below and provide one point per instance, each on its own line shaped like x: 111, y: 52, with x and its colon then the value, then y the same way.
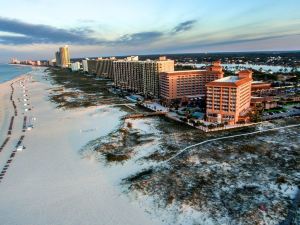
x: 101, y: 67
x: 64, y: 56
x: 141, y: 76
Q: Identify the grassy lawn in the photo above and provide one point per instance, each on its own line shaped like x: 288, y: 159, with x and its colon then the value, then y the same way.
x: 276, y: 110
x: 291, y: 103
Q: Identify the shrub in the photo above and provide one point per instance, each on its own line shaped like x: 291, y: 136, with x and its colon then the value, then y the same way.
x: 184, y: 119
x: 248, y: 148
x: 116, y: 157
x: 280, y: 180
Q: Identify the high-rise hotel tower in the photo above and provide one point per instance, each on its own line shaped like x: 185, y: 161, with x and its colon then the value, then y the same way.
x: 64, y: 56
x: 228, y: 98
x: 141, y: 76
x: 179, y: 85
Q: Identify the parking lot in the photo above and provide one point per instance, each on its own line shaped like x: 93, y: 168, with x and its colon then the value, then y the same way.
x: 282, y: 112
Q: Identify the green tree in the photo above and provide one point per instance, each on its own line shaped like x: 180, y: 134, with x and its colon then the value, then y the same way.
x: 256, y: 114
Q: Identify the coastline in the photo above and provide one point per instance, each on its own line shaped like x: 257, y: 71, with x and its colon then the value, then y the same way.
x: 12, y: 74
x: 61, y: 166
x: 6, y: 107
x: 50, y: 173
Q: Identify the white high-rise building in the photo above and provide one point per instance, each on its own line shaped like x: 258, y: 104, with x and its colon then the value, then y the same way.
x: 85, y: 65
x: 75, y: 66
x: 57, y: 59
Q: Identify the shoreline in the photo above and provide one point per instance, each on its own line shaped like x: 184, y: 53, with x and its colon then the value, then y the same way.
x: 60, y: 168
x: 17, y: 75
x: 6, y: 107
x: 50, y: 173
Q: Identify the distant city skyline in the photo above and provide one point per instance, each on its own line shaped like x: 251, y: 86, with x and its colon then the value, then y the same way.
x: 35, y: 29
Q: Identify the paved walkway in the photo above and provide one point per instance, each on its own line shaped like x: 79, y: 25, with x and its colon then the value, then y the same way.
x: 119, y: 104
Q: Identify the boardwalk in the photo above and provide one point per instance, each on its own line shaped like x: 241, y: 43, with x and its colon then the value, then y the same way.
x: 24, y: 123
x: 10, y: 125
x: 228, y: 137
x: 11, y: 157
x: 4, y: 143
x: 141, y: 115
x: 119, y: 104
x: 130, y: 107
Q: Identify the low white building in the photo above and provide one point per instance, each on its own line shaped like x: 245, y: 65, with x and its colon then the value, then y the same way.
x: 132, y: 58
x: 75, y: 66
x: 52, y: 62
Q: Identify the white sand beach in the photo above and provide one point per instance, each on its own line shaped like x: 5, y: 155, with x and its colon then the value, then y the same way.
x: 48, y: 183
x: 4, y: 108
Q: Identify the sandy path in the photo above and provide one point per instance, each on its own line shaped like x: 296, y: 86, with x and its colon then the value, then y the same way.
x: 48, y: 183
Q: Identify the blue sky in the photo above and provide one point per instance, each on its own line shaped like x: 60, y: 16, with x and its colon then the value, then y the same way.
x: 36, y: 28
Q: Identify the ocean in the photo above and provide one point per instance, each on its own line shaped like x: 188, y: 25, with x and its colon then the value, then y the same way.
x: 9, y: 72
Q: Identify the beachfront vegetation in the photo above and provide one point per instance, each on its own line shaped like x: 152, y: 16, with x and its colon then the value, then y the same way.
x: 73, y: 89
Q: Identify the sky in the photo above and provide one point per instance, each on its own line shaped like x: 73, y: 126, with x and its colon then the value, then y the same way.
x: 34, y: 29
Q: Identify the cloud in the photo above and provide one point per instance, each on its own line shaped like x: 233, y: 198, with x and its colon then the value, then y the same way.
x: 86, y: 21
x: 151, y: 36
x: 84, y: 30
x: 37, y: 33
x: 26, y: 33
x: 15, y: 32
x: 7, y: 39
x: 184, y: 26
x: 246, y: 40
x: 233, y: 41
x: 139, y: 38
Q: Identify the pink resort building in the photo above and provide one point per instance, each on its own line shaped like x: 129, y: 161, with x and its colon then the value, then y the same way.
x: 228, y: 99
x: 188, y: 84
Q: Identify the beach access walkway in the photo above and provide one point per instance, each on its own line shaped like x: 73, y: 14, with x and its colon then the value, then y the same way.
x: 228, y: 137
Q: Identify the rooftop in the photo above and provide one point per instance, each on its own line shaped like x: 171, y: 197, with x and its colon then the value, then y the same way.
x: 186, y: 71
x: 230, y: 79
x: 143, y: 61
